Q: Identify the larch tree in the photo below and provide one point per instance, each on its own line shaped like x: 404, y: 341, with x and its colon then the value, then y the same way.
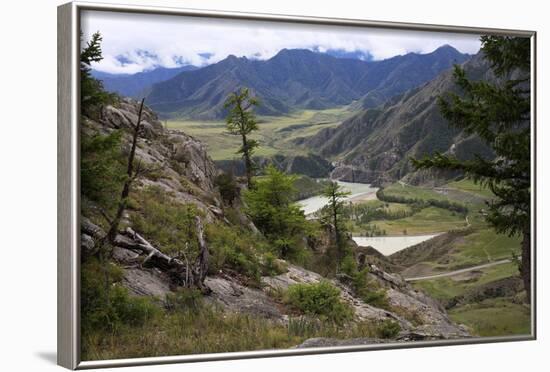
x: 334, y: 213
x: 241, y: 121
x: 499, y: 112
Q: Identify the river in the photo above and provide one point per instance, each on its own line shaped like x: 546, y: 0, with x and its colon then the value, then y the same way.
x: 384, y: 244
x: 390, y: 244
x: 357, y: 190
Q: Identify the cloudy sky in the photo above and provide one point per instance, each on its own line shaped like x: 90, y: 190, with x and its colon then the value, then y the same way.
x: 139, y: 42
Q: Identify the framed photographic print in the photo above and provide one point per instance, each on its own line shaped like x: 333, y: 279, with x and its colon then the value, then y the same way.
x: 236, y: 185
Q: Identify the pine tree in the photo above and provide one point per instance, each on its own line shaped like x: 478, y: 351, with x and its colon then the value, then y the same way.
x: 270, y: 204
x: 499, y: 113
x: 334, y: 213
x: 92, y: 93
x: 241, y: 121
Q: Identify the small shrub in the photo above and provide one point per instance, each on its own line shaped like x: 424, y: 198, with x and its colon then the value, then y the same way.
x: 376, y: 298
x: 271, y: 207
x: 320, y: 299
x: 277, y: 293
x: 101, y: 168
x: 388, y: 329
x: 131, y: 311
x: 107, y: 305
x: 229, y: 189
x: 272, y: 266
x: 184, y: 300
x: 236, y: 249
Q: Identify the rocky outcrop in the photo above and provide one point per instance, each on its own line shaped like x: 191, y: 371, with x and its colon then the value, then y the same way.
x: 235, y: 297
x: 124, y: 115
x: 419, y: 316
x: 182, y: 165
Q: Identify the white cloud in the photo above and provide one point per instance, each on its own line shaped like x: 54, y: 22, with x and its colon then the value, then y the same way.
x: 198, y: 41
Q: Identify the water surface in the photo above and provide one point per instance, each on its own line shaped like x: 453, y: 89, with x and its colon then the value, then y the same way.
x: 390, y: 244
x: 315, y: 203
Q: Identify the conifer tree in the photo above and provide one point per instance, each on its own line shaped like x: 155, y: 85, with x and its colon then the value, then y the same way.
x: 499, y: 112
x: 334, y: 213
x: 241, y: 121
x: 92, y: 93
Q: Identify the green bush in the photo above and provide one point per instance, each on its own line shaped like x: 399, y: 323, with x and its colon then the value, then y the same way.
x: 272, y: 266
x: 131, y: 311
x: 184, y: 299
x: 376, y: 298
x: 369, y: 291
x: 236, y: 249
x: 388, y: 329
x: 105, y: 304
x: 271, y: 207
x: 229, y: 189
x: 320, y: 299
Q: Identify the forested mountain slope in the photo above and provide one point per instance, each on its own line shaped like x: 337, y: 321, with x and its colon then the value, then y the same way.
x: 375, y: 145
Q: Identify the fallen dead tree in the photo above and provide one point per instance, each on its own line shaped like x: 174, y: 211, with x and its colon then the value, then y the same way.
x: 181, y: 270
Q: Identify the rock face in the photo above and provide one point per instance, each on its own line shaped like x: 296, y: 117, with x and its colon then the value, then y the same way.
x: 237, y: 298
x: 425, y: 318
x: 125, y: 115
x: 184, y: 168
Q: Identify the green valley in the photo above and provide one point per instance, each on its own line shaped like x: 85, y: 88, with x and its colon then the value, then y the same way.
x: 275, y: 136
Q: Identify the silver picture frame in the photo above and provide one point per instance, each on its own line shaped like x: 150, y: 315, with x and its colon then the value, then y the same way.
x: 68, y: 187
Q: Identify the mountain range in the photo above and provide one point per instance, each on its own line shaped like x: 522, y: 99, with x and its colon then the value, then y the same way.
x: 297, y: 79
x: 375, y: 145
x: 139, y: 84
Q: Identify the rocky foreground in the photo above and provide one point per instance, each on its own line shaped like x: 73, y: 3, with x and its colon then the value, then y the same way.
x: 188, y: 176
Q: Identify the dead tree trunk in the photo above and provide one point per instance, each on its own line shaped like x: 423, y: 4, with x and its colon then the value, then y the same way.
x: 202, y: 259
x: 130, y: 177
x: 182, y: 273
x: 153, y: 255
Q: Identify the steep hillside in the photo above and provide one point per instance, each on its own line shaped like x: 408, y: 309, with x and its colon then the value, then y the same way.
x: 295, y: 79
x: 178, y: 208
x: 375, y: 145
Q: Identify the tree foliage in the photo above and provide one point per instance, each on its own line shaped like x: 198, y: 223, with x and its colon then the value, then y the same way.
x: 272, y: 208
x: 333, y: 212
x: 101, y: 167
x: 228, y: 187
x: 241, y: 121
x: 499, y: 113
x: 319, y: 299
x: 92, y: 93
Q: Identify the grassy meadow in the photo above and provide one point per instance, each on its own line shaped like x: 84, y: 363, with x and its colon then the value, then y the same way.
x: 275, y: 135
